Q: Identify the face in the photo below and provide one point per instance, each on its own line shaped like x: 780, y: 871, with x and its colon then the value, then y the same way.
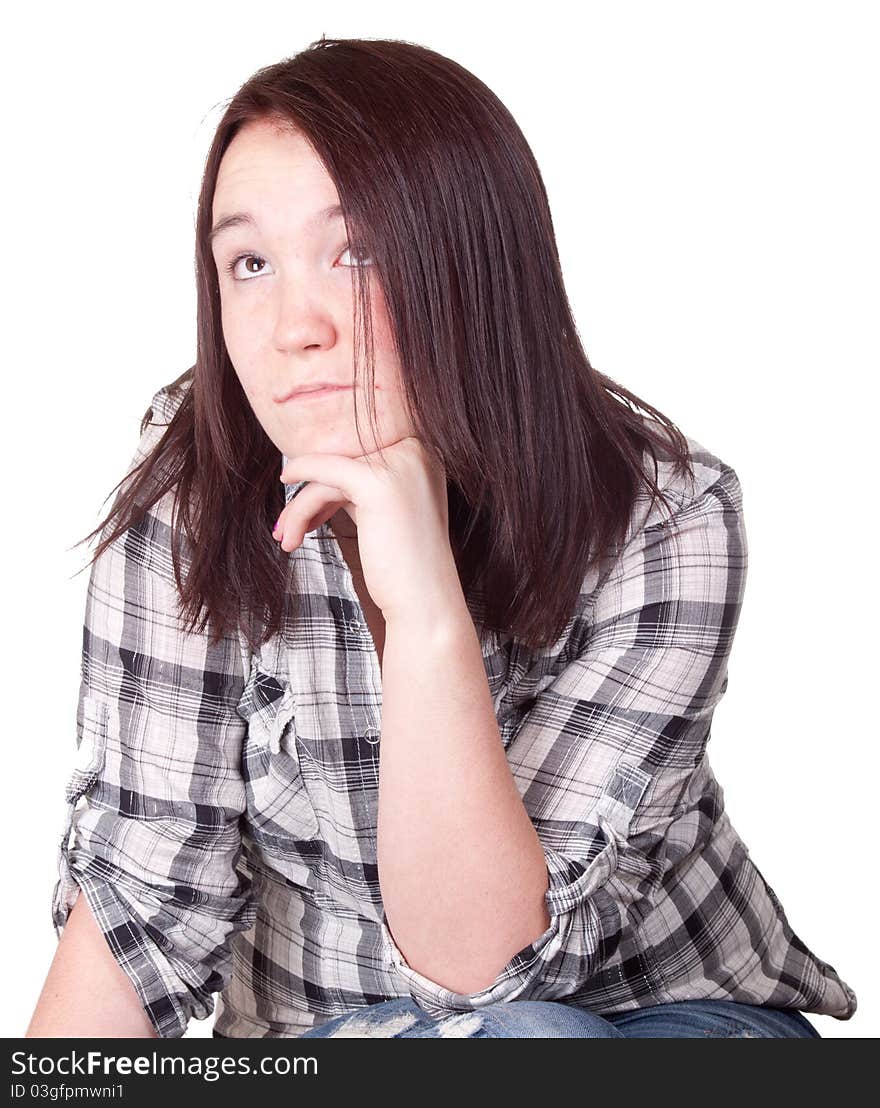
x: 286, y: 301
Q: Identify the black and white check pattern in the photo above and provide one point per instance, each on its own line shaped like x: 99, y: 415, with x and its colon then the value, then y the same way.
x: 223, y: 806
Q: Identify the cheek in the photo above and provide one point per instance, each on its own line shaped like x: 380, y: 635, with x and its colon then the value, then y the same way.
x: 384, y: 344
x: 243, y: 319
x: 391, y: 410
x: 234, y: 339
x: 240, y: 338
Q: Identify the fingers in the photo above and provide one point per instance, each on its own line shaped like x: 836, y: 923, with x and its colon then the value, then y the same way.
x: 312, y: 507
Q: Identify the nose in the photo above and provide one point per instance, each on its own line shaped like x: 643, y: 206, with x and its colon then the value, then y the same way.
x: 303, y: 322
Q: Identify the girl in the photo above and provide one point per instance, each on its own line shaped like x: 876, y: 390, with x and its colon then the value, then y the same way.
x: 406, y: 735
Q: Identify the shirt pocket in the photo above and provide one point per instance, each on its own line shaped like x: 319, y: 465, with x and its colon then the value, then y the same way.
x: 279, y: 812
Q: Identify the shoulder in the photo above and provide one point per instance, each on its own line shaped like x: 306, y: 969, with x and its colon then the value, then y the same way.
x: 156, y: 419
x: 714, y: 483
x: 149, y: 539
x: 168, y: 399
x: 703, y: 512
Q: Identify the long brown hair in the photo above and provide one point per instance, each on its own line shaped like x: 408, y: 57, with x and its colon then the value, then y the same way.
x: 544, y: 454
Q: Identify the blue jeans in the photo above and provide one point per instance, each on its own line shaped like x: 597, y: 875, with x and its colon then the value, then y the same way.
x: 402, y: 1018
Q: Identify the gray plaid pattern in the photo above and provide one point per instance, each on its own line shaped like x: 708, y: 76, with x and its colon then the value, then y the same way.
x: 223, y: 806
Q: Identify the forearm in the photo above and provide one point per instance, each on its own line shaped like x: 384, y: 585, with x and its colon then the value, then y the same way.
x: 86, y: 993
x: 461, y: 869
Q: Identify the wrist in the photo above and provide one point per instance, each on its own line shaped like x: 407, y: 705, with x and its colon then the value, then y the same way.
x: 439, y: 615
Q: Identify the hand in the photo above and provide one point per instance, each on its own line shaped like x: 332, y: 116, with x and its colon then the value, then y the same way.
x: 401, y: 513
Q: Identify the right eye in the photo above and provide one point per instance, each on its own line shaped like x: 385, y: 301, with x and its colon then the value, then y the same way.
x: 231, y: 266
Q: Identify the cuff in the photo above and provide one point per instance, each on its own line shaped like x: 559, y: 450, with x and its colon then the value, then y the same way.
x: 129, y: 946
x: 523, y: 978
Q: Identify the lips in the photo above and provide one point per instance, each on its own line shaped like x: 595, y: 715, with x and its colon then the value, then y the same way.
x: 318, y: 389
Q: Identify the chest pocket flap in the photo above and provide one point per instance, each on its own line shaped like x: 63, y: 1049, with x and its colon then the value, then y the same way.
x: 279, y: 810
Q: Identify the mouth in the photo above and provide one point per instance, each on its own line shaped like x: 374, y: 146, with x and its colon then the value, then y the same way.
x: 316, y: 394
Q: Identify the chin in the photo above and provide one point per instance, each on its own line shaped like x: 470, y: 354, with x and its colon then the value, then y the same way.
x: 326, y: 442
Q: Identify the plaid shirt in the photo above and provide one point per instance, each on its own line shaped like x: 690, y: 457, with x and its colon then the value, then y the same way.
x: 223, y: 805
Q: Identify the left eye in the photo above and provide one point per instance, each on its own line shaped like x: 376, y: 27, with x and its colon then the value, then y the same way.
x: 365, y: 258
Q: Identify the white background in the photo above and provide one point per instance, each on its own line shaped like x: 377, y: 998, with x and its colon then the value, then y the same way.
x: 712, y: 170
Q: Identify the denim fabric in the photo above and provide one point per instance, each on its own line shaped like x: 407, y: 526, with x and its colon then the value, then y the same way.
x: 540, y: 1019
x: 221, y: 814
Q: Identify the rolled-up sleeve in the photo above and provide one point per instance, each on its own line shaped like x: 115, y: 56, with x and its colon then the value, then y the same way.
x: 151, y: 835
x: 604, y: 756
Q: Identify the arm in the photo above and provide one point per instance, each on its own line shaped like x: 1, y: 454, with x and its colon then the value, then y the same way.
x: 603, y: 760
x: 156, y: 795
x: 86, y: 993
x: 449, y: 807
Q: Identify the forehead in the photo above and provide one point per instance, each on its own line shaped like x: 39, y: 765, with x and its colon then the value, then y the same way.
x: 264, y: 162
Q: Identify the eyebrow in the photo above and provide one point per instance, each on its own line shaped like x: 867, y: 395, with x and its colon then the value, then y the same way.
x: 239, y: 219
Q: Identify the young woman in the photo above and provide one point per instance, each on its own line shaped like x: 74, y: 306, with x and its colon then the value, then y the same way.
x: 429, y: 758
